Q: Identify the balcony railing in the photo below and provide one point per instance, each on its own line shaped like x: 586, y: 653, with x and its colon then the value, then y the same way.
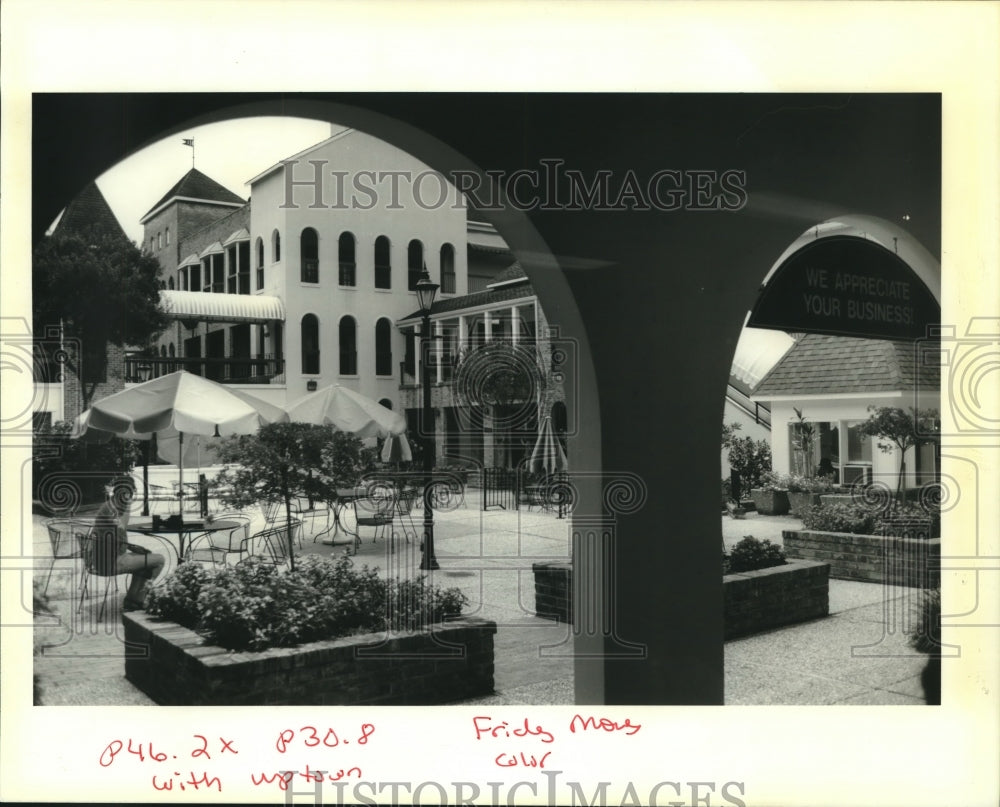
x: 264, y: 369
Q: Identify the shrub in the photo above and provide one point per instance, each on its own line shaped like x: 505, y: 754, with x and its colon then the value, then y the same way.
x: 751, y: 554
x: 176, y: 598
x: 751, y: 459
x: 840, y: 517
x: 254, y: 605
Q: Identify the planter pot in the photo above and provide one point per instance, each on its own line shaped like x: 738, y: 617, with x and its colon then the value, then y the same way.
x: 798, y: 502
x: 770, y: 502
x: 898, y: 561
x: 444, y: 663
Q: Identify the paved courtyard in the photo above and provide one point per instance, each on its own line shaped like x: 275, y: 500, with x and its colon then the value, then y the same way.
x: 859, y: 654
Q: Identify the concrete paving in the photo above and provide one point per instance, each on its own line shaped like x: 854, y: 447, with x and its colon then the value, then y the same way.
x: 859, y: 654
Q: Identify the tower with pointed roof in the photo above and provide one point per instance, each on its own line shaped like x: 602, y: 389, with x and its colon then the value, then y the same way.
x: 192, y: 204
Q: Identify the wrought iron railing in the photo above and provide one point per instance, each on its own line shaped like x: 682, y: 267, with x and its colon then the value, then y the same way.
x: 263, y: 369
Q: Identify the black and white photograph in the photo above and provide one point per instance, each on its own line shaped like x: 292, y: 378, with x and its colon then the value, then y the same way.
x: 500, y: 433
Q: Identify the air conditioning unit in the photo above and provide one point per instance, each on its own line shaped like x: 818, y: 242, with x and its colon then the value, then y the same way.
x: 856, y: 475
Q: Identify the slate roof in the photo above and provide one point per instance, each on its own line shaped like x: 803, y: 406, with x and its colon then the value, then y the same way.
x: 514, y: 291
x: 87, y: 211
x: 196, y: 185
x: 824, y: 365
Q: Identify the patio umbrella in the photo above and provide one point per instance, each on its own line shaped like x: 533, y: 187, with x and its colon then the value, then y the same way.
x: 179, y: 403
x: 346, y: 410
x: 396, y: 449
x: 548, y: 454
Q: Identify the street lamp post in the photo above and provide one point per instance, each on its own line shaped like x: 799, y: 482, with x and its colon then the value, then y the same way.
x: 145, y: 370
x: 426, y: 290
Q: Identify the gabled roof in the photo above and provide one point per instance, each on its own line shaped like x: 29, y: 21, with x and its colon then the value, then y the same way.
x: 823, y: 365
x: 509, y: 276
x: 196, y: 186
x: 89, y: 210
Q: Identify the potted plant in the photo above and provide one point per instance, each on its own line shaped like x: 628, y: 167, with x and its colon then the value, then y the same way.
x: 771, y: 497
x: 805, y: 492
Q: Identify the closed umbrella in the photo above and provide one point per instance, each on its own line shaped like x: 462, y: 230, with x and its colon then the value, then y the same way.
x: 396, y: 449
x: 180, y: 403
x: 548, y: 454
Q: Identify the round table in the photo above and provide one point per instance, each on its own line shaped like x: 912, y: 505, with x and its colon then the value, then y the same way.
x: 185, y: 529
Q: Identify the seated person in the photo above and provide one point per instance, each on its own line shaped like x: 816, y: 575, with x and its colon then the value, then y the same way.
x: 110, y: 551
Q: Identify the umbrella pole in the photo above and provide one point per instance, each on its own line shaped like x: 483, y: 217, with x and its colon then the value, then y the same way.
x: 145, y: 478
x: 180, y: 468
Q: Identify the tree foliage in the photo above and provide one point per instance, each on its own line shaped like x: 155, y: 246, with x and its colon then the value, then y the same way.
x: 897, y: 429
x: 283, y: 461
x: 751, y: 459
x: 102, y: 289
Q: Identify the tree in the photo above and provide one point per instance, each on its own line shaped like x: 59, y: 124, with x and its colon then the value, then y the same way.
x: 896, y: 429
x: 802, y: 443
x: 749, y: 458
x: 286, y: 460
x: 103, y: 290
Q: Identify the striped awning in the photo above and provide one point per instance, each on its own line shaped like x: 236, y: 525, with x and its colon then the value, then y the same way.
x: 208, y: 307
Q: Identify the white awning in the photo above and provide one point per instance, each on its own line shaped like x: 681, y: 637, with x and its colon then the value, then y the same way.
x: 191, y: 260
x: 209, y: 307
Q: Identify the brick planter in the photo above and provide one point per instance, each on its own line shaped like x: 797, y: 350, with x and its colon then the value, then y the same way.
x: 753, y: 601
x: 412, y: 668
x: 770, y: 502
x: 914, y: 562
x: 780, y: 595
x: 553, y: 590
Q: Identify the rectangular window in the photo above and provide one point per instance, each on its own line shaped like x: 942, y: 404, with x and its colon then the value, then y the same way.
x: 231, y: 279
x: 243, y: 267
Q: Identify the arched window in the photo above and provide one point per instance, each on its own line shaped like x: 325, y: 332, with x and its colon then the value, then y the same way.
x: 275, y: 246
x: 171, y: 351
x: 168, y: 237
x: 383, y: 347
x: 345, y: 255
x: 447, y: 269
x: 348, y: 346
x: 385, y: 402
x: 414, y: 263
x: 383, y: 265
x: 260, y: 262
x: 309, y: 253
x: 310, y: 344
x: 170, y: 283
x: 159, y: 240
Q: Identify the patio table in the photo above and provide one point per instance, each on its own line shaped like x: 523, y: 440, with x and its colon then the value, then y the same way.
x: 182, y: 531
x: 346, y: 497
